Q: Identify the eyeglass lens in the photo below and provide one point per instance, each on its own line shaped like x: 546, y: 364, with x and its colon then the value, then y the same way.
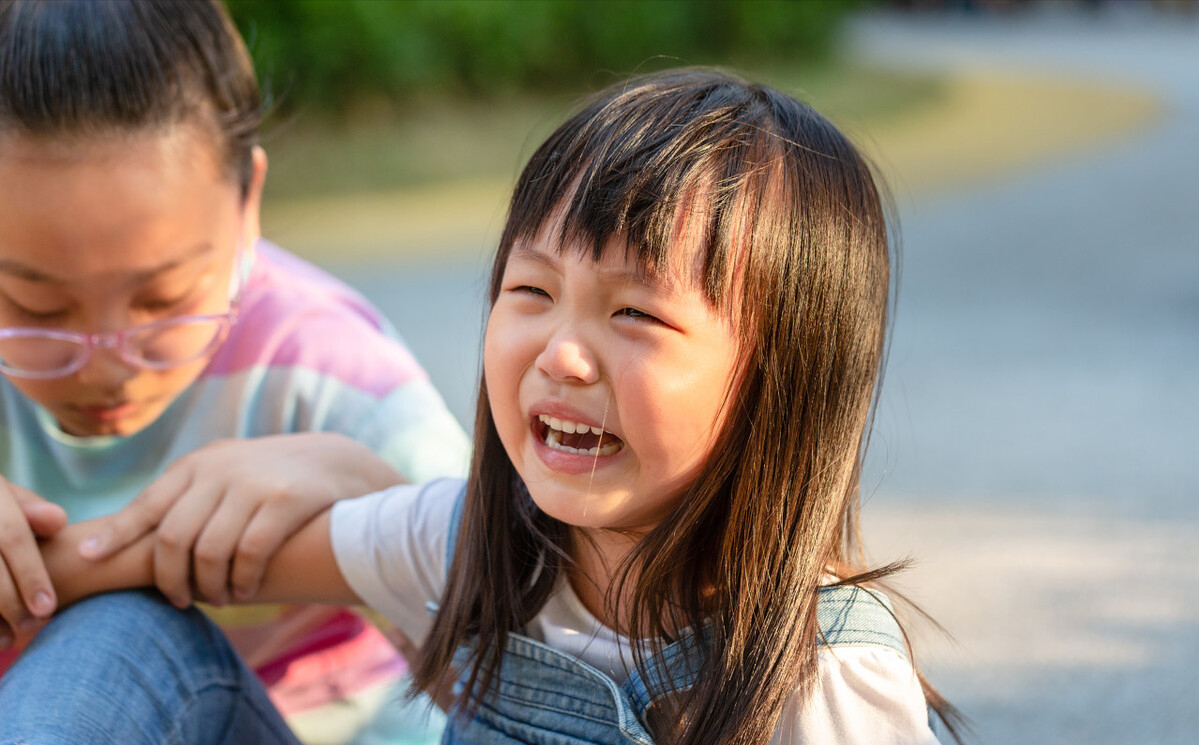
x: 172, y: 342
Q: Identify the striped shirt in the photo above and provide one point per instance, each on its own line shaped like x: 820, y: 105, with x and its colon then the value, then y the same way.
x: 307, y: 354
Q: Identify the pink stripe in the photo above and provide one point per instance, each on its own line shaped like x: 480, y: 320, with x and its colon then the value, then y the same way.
x: 295, y: 315
x: 7, y: 658
x: 342, y: 658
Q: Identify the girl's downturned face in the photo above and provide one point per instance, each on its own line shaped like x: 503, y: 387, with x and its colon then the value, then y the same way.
x: 102, y: 235
x: 607, y: 386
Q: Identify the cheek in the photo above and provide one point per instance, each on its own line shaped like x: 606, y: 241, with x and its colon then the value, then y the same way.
x: 676, y: 411
x: 170, y: 383
x: 504, y: 353
x: 45, y: 392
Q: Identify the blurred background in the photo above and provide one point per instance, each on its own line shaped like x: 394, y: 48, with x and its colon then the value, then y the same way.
x: 1035, y: 447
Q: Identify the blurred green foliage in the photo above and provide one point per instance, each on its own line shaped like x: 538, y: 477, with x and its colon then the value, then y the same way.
x: 339, y: 54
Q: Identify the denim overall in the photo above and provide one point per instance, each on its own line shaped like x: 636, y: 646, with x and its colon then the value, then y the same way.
x: 547, y: 697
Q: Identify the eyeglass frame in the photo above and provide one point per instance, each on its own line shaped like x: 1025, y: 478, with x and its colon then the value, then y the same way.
x: 115, y: 340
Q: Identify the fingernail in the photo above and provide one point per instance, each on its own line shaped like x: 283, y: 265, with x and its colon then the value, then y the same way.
x: 28, y: 624
x: 43, y: 603
x: 181, y: 602
x: 91, y: 546
x: 5, y: 640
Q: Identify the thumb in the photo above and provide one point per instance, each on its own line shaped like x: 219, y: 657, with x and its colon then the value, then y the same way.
x: 45, y: 518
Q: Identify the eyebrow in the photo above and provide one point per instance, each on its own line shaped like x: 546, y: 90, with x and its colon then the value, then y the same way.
x: 636, y: 276
x: 28, y: 273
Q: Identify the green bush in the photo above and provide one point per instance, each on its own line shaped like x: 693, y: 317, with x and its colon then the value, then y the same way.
x: 335, y: 54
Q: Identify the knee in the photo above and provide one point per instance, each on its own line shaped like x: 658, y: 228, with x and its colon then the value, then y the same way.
x: 120, y: 619
x: 130, y: 656
x: 132, y: 631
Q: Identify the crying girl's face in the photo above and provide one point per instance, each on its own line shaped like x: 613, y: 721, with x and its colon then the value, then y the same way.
x: 607, y: 383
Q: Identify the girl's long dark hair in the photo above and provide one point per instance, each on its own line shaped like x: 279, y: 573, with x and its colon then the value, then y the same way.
x: 795, y: 237
x: 86, y: 68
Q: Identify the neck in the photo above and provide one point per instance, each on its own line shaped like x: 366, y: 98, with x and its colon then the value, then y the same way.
x: 599, y: 555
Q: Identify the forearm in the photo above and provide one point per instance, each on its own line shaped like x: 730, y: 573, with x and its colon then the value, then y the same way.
x: 75, y: 578
x: 304, y: 570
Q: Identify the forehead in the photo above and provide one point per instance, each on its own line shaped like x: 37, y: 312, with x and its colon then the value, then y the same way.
x: 113, y: 206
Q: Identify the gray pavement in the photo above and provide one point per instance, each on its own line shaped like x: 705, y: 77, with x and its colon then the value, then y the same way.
x: 1037, y: 434
x: 1036, y: 439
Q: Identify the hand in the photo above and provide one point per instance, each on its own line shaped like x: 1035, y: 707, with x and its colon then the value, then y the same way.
x: 224, y: 510
x: 26, y: 594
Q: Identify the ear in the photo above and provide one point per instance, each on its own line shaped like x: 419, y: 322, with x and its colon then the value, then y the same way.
x: 252, y: 205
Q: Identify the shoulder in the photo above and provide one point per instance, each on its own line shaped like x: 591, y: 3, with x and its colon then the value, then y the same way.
x: 864, y: 696
x: 856, y: 616
x: 391, y: 548
x: 296, y: 316
x: 867, y: 691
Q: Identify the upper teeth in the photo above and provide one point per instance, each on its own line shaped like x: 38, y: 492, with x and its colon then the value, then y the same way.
x: 569, y: 427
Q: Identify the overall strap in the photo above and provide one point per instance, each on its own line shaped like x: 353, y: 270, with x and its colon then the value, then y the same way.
x: 856, y: 616
x: 847, y: 616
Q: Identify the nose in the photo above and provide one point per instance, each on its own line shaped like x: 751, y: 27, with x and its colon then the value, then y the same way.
x: 105, y: 369
x: 567, y: 358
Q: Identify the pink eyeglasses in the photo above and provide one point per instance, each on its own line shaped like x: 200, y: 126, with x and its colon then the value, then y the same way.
x: 160, y: 345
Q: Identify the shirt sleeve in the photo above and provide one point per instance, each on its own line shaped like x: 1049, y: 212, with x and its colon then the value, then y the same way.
x: 391, y: 548
x: 865, y: 696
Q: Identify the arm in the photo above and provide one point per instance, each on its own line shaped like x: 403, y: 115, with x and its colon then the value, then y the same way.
x: 302, y: 571
x: 75, y: 578
x: 219, y: 514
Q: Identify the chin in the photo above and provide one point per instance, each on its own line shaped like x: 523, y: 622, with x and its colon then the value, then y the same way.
x: 574, y: 509
x: 125, y: 427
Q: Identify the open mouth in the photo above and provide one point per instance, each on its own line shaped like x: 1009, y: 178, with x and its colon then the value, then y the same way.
x: 574, y: 437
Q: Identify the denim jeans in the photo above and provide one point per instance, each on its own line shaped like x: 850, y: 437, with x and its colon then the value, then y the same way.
x: 129, y: 668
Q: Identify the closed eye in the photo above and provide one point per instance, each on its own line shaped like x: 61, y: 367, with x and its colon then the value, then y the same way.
x: 637, y: 315
x: 36, y: 315
x: 159, y: 305
x: 530, y: 290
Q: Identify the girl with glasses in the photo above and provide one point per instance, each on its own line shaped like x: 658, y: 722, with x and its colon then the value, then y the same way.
x: 164, y: 367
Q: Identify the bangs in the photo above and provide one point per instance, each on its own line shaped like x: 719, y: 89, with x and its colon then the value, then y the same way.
x: 615, y: 176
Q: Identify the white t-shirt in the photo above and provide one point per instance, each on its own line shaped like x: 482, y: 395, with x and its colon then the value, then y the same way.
x: 391, y: 549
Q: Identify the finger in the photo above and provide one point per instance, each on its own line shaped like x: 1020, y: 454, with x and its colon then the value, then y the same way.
x: 45, y: 519
x: 217, y: 542
x: 43, y: 516
x: 271, y: 525
x: 26, y: 573
x: 12, y: 610
x: 137, y: 518
x: 175, y: 538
